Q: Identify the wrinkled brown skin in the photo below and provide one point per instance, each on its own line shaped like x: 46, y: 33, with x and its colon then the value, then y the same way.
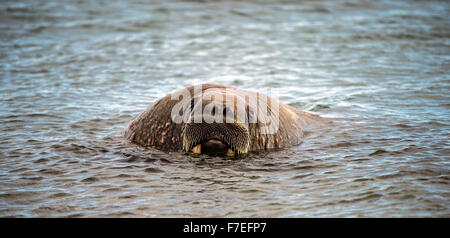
x: 154, y: 126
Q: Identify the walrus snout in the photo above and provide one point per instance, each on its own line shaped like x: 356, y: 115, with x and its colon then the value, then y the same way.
x: 228, y: 139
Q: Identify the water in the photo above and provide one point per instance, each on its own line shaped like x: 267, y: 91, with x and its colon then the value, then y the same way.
x: 74, y: 73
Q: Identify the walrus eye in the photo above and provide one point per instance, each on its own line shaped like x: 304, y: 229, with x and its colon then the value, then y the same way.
x: 192, y: 104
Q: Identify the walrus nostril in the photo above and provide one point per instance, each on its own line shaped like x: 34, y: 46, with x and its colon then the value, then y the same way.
x: 214, y: 147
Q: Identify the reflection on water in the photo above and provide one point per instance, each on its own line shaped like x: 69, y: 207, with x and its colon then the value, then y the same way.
x: 73, y: 74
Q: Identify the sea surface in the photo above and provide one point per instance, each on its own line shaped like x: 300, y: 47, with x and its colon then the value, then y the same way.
x: 74, y: 73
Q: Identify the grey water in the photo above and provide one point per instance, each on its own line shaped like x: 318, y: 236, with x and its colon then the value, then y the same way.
x: 74, y: 73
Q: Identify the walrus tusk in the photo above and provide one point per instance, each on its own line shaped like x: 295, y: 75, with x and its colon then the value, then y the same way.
x: 230, y: 152
x: 197, y: 149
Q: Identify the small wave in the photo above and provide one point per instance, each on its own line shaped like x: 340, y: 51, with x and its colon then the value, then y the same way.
x: 91, y: 179
x: 153, y: 170
x: 59, y: 195
x: 342, y: 144
x: 374, y: 196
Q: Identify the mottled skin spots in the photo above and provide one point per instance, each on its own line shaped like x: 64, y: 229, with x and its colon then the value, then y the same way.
x: 154, y: 127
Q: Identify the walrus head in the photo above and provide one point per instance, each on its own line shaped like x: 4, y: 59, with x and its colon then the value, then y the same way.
x: 216, y: 130
x: 248, y: 121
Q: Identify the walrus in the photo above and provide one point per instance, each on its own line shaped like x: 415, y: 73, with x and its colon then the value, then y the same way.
x: 218, y: 120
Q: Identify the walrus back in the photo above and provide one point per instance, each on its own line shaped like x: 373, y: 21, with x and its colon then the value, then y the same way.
x: 154, y: 127
x: 291, y: 124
